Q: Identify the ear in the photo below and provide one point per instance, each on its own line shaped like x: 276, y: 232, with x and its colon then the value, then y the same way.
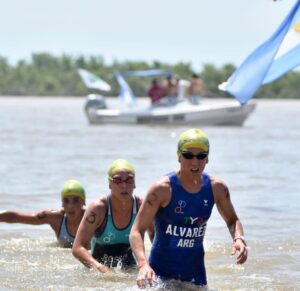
x: 179, y: 158
x: 207, y: 160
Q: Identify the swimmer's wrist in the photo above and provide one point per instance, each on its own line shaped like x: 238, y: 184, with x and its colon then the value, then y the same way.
x: 242, y: 238
x: 142, y: 264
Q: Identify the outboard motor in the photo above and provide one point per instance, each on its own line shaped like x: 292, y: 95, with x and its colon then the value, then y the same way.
x: 95, y: 101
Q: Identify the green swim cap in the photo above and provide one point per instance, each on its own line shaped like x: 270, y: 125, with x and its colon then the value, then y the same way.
x: 73, y: 188
x: 193, y: 138
x: 118, y: 165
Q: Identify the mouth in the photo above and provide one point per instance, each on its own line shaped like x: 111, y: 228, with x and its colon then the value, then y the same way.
x: 195, y: 170
x: 124, y: 193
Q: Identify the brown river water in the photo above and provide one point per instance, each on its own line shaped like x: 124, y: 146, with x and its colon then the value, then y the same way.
x: 45, y: 141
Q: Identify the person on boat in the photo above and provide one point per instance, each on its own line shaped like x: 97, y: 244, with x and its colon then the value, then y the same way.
x: 155, y: 92
x: 170, y: 88
x: 180, y: 204
x: 107, y: 223
x: 63, y: 221
x: 197, y: 89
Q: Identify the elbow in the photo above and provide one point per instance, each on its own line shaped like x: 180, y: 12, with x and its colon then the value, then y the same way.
x: 79, y: 249
x: 131, y: 237
x: 76, y: 251
x: 134, y: 234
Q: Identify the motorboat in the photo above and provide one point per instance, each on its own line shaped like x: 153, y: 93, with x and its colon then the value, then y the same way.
x: 127, y: 109
x: 208, y: 112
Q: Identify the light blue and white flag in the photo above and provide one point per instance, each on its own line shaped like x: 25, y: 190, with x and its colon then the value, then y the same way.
x: 271, y: 60
x: 92, y: 81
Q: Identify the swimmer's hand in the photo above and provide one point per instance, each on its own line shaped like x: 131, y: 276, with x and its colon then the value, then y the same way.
x: 240, y: 246
x: 146, y: 276
x: 103, y: 269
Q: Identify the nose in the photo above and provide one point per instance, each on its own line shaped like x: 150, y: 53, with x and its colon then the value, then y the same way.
x: 71, y: 204
x: 195, y: 161
x: 124, y: 184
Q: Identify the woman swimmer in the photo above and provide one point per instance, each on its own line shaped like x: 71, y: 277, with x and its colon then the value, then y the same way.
x: 107, y: 223
x: 64, y: 221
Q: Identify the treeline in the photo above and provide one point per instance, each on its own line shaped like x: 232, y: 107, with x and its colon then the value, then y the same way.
x: 47, y: 75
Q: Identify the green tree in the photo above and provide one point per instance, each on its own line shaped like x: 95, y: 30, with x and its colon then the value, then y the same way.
x: 47, y: 75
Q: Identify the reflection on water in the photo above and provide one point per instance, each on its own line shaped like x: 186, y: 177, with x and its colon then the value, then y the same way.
x: 45, y: 142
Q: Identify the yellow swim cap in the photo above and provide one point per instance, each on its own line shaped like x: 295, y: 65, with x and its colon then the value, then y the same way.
x: 73, y: 188
x: 118, y: 165
x: 193, y: 138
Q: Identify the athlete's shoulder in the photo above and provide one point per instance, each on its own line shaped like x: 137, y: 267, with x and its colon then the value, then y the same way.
x: 216, y: 181
x: 162, y: 183
x: 98, y: 204
x: 159, y: 192
x: 96, y: 211
x: 219, y: 187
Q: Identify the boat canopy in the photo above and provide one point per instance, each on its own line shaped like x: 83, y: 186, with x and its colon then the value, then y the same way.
x: 147, y: 73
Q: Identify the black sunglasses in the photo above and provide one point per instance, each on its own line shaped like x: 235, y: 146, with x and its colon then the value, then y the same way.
x: 199, y: 156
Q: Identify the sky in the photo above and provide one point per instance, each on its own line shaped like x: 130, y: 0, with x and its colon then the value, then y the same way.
x: 192, y: 31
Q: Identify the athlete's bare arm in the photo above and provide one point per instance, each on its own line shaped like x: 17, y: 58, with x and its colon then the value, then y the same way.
x: 150, y: 229
x: 226, y: 209
x: 92, y: 219
x: 47, y: 216
x: 158, y: 196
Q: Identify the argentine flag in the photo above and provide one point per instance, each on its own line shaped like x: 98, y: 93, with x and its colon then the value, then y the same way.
x: 268, y: 62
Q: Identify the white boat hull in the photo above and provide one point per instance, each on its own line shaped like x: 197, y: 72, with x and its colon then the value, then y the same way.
x: 206, y: 113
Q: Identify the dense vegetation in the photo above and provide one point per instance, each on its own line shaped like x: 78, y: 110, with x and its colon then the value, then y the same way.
x: 46, y: 75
